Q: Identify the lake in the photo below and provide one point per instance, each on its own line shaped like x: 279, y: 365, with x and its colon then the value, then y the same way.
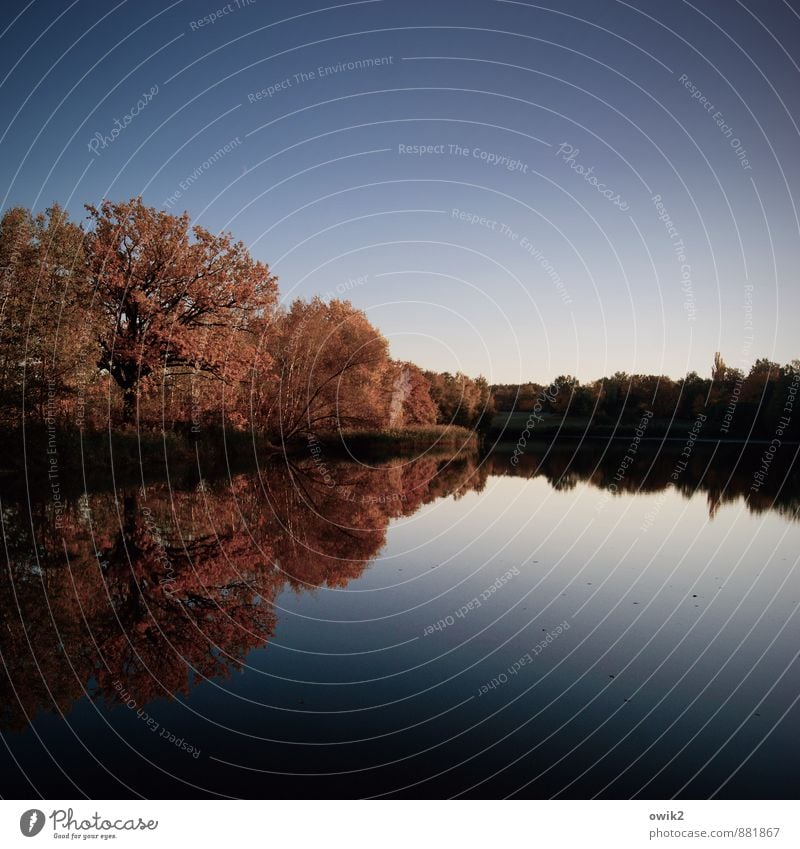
x: 576, y: 625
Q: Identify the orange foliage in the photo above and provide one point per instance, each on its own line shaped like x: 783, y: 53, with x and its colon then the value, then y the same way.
x: 169, y: 302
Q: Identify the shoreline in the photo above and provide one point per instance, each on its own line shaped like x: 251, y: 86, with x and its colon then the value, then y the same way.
x: 598, y: 437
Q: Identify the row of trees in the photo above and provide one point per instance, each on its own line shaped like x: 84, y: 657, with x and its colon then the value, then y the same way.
x: 141, y: 317
x: 460, y: 399
x: 736, y: 403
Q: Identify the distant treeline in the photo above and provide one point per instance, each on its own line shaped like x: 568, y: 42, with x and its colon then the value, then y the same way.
x: 762, y: 403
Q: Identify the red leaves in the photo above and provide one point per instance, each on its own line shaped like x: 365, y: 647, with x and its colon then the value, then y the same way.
x: 182, y: 325
x: 168, y: 301
x: 328, y: 370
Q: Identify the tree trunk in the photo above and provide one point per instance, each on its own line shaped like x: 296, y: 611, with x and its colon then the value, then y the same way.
x: 128, y: 405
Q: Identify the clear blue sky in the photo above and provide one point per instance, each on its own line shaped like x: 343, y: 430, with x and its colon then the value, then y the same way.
x: 543, y: 274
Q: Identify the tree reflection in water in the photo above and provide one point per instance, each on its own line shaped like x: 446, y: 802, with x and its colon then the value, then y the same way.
x: 163, y: 587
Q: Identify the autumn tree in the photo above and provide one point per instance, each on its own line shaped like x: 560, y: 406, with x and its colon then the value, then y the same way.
x: 461, y: 400
x: 328, y: 370
x: 410, y: 401
x: 43, y: 346
x: 171, y: 299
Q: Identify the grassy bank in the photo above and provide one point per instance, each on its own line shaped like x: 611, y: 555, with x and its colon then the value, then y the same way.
x: 73, y: 461
x: 509, y: 427
x: 369, y: 443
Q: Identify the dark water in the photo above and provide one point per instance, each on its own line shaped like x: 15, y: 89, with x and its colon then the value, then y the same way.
x: 429, y: 628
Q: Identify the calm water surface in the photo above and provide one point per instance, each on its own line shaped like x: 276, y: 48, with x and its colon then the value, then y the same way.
x: 429, y: 628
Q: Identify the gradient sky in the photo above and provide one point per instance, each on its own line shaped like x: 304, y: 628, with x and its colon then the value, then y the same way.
x: 314, y: 181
